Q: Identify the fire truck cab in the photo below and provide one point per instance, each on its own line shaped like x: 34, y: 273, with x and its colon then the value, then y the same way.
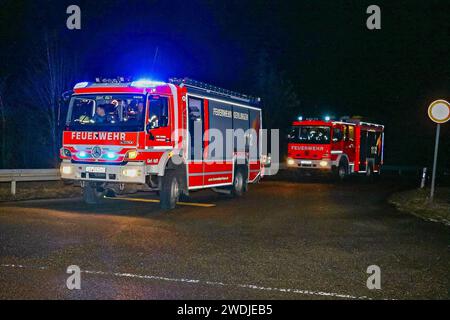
x: 171, y: 137
x: 341, y: 147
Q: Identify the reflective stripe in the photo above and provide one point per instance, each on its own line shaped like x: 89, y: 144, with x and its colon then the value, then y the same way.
x: 161, y: 148
x: 209, y: 173
x: 211, y: 185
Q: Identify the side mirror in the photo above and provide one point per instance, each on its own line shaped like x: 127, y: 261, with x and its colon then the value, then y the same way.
x: 65, y: 96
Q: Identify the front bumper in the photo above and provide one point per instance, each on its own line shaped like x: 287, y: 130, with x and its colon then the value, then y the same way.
x: 132, y: 172
x: 309, y: 164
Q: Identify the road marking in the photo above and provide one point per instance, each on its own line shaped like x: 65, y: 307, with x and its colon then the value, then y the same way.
x: 197, y: 204
x: 192, y: 204
x: 19, y: 266
x: 210, y: 283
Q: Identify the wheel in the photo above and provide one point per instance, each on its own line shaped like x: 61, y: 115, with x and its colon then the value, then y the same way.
x: 170, y: 190
x: 92, y: 194
x: 245, y: 186
x: 239, y: 183
x: 342, y: 170
x: 369, y: 172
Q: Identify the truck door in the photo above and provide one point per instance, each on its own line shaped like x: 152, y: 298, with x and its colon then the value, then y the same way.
x: 349, y: 142
x: 196, y: 146
x: 157, y: 125
x: 363, y: 150
x: 337, y: 138
x: 372, y: 149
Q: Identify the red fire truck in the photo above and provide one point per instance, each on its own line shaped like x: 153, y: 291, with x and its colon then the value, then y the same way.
x: 170, y: 137
x: 342, y: 147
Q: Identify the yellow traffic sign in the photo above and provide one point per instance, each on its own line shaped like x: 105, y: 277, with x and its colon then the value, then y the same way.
x: 439, y: 111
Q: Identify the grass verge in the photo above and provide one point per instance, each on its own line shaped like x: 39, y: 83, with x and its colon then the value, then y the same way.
x: 38, y: 190
x: 417, y: 202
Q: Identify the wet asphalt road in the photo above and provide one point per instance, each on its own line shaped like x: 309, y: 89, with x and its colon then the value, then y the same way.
x: 315, y: 238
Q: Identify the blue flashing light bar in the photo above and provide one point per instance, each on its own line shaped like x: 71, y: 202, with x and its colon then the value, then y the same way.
x: 143, y: 83
x: 81, y: 85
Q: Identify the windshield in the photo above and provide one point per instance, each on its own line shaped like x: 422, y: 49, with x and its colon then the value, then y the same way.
x: 310, y: 134
x: 116, y: 112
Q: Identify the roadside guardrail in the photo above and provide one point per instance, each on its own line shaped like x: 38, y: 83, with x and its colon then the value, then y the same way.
x: 14, y: 175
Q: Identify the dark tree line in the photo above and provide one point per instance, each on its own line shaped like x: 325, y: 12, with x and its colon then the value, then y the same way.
x: 30, y: 98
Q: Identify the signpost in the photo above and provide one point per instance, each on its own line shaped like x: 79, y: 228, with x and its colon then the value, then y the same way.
x: 439, y: 112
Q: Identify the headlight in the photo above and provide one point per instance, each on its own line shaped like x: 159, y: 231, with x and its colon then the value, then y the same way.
x: 132, y: 154
x: 130, y: 173
x: 66, y: 169
x: 111, y: 155
x: 290, y: 162
x: 323, y: 163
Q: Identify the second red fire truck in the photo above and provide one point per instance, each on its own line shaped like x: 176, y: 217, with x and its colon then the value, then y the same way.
x: 341, y: 147
x: 172, y: 137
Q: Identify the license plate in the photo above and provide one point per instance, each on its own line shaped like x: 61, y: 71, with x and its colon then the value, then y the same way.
x: 306, y: 162
x: 96, y: 169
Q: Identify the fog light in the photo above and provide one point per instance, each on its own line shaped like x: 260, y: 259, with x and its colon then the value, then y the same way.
x: 290, y: 162
x: 132, y: 154
x: 130, y: 173
x: 323, y: 163
x: 66, y: 169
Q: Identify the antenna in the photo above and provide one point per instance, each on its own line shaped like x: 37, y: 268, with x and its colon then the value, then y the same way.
x: 154, y: 58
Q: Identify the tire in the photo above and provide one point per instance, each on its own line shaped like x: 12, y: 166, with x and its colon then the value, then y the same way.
x: 342, y: 170
x: 92, y: 194
x: 369, y: 172
x: 170, y: 190
x: 67, y: 182
x: 239, y: 183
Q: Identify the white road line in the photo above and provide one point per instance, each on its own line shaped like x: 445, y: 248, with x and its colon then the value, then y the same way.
x: 21, y: 266
x: 202, y: 282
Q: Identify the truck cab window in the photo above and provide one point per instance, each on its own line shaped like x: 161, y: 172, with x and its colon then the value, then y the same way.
x: 351, y: 133
x: 337, y: 135
x: 310, y: 134
x: 158, y: 115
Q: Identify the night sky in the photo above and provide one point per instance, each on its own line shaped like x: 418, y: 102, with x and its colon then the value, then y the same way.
x: 335, y: 64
